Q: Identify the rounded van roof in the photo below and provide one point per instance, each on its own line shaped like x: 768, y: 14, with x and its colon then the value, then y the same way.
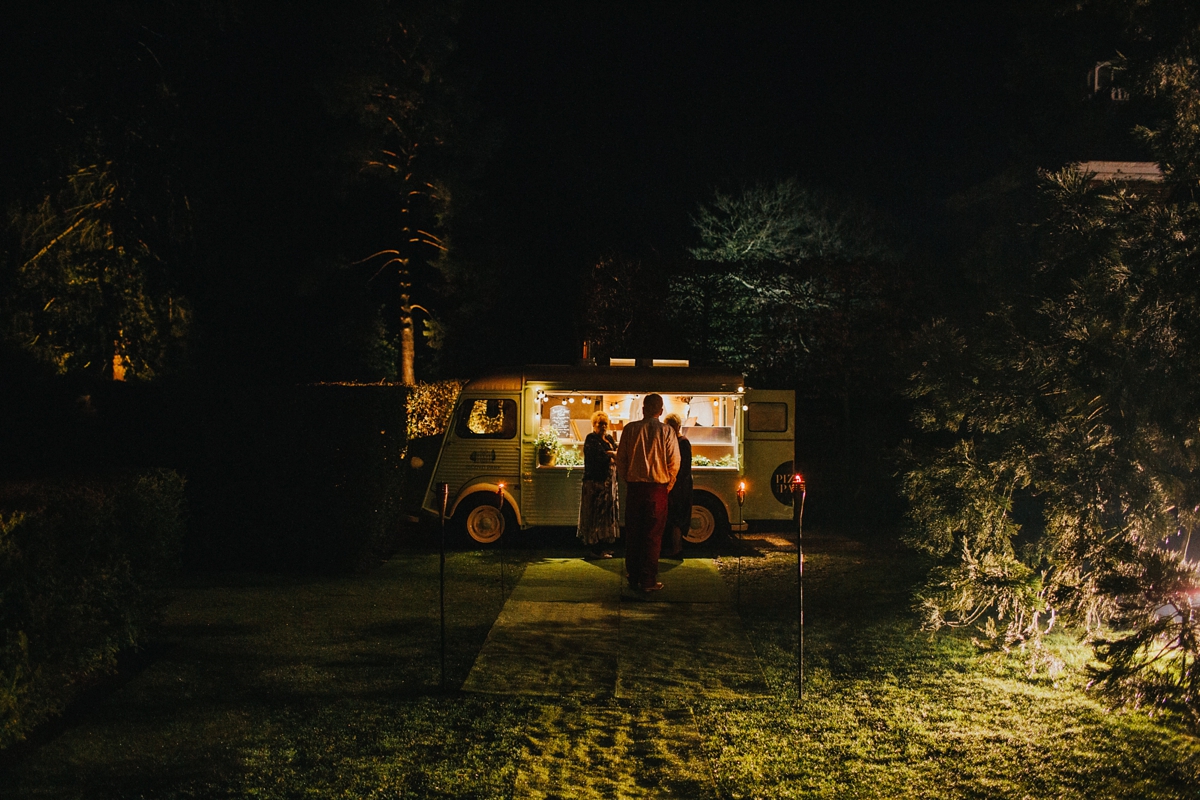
x: 553, y: 377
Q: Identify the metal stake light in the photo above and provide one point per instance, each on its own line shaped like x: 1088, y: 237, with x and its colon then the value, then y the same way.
x: 444, y: 493
x: 741, y: 498
x: 799, y: 488
x: 500, y: 506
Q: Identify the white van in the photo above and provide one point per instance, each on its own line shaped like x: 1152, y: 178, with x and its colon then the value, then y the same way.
x: 742, y: 438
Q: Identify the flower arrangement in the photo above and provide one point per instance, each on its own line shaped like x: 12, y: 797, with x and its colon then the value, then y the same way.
x: 546, y: 446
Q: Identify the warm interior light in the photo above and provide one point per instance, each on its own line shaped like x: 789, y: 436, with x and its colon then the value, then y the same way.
x: 570, y: 399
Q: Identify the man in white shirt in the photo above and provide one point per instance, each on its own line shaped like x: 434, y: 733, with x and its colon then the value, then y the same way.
x: 648, y: 461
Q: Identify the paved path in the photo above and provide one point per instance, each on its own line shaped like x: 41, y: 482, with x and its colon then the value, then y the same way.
x: 569, y: 628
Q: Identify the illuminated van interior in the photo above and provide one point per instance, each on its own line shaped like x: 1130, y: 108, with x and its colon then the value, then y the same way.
x: 709, y: 423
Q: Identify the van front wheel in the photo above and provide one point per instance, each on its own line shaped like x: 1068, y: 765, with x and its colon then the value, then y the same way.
x: 708, y: 519
x: 480, y: 519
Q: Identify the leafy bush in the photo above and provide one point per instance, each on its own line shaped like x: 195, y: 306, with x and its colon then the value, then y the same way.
x: 82, y: 573
x: 429, y: 406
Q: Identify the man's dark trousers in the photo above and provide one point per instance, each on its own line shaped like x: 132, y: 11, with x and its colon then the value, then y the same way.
x: 645, y: 520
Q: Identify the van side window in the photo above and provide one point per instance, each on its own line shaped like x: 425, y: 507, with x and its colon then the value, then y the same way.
x: 487, y: 419
x: 767, y: 418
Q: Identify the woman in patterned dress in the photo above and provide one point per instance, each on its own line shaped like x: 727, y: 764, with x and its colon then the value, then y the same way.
x: 598, y: 513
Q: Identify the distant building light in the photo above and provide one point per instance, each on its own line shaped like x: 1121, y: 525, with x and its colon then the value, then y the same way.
x: 669, y: 362
x: 622, y: 362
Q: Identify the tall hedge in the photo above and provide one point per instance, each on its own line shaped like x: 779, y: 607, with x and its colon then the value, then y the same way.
x: 83, y: 573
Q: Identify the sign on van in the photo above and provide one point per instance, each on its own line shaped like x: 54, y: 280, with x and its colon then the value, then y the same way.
x: 781, y: 483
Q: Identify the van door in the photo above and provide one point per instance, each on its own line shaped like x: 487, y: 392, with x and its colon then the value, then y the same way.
x: 769, y: 434
x: 481, y: 446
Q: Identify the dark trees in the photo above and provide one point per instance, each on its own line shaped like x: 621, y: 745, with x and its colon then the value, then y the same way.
x: 803, y: 290
x: 1060, y: 469
x: 249, y: 156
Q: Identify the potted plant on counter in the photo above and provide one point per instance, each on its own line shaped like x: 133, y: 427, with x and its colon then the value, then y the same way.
x: 546, y: 447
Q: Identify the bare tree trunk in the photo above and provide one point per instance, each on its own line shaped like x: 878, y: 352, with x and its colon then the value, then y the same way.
x: 408, y: 375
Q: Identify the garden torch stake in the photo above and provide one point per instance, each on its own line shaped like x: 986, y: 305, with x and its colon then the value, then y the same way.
x: 798, y: 488
x: 741, y: 498
x: 500, y: 505
x: 444, y: 492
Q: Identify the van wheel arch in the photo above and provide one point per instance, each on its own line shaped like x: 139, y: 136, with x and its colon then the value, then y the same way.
x: 480, y: 520
x: 709, y: 519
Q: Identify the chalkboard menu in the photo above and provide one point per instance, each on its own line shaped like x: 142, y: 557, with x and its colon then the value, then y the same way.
x: 560, y: 421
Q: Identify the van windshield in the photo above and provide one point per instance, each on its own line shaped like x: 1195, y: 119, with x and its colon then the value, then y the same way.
x: 487, y: 419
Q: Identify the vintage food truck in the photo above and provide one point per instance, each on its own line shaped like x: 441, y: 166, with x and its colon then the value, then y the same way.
x: 742, y: 443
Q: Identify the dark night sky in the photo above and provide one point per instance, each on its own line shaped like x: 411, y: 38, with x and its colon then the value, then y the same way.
x: 607, y: 123
x: 617, y: 120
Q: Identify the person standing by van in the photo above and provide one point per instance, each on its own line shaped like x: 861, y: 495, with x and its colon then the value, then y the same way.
x: 598, y: 510
x: 647, y: 460
x: 679, y: 500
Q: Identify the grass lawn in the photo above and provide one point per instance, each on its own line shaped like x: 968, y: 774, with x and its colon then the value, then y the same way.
x: 306, y: 688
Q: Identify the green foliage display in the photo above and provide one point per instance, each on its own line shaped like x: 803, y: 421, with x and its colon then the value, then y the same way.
x: 82, y: 575
x: 1061, y: 474
x: 570, y: 457
x: 721, y: 461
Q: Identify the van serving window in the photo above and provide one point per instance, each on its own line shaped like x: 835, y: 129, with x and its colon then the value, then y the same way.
x: 767, y: 418
x: 487, y: 419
